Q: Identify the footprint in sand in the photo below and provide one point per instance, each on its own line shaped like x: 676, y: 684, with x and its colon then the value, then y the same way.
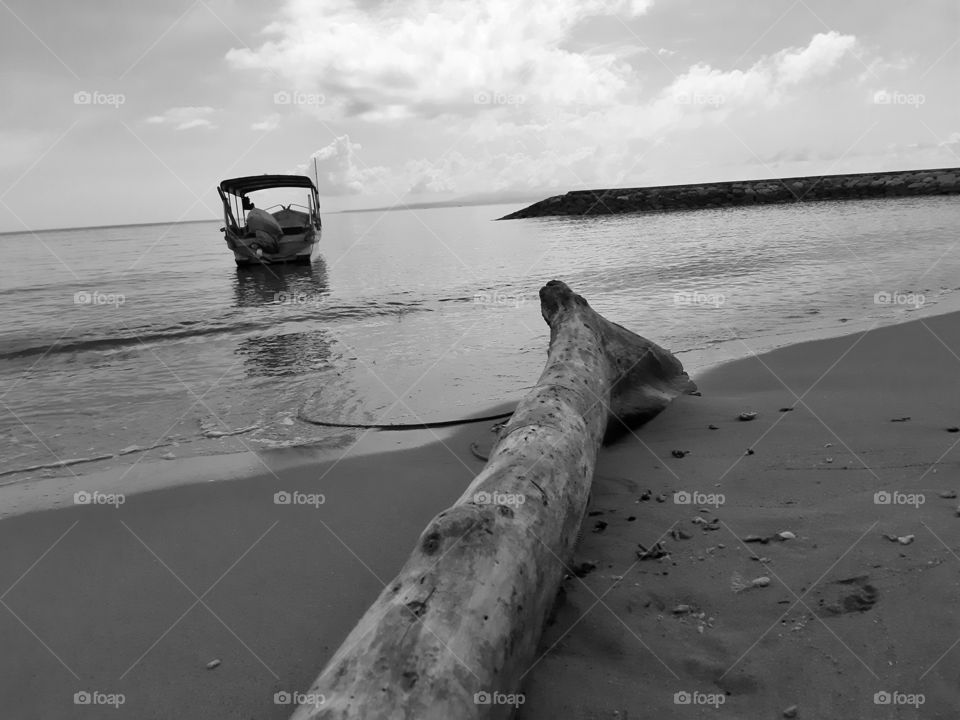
x: 850, y: 595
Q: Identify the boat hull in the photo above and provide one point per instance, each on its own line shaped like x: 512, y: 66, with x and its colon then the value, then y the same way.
x: 302, y: 250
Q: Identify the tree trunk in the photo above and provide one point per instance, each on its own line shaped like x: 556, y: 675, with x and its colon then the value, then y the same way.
x: 453, y: 634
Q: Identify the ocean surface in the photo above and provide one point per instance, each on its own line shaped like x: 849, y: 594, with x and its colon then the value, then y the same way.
x: 148, y: 342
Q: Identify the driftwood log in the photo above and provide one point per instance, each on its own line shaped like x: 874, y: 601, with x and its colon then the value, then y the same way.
x: 450, y: 637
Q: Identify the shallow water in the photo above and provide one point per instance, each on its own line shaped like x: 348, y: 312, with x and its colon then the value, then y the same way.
x: 428, y: 314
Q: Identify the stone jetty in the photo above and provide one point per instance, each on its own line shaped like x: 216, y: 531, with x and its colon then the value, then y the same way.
x: 747, y: 192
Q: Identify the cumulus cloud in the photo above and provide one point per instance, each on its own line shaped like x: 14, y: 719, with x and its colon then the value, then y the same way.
x: 767, y: 81
x: 185, y: 118
x: 337, y: 170
x: 424, y: 57
x: 818, y: 58
x: 706, y: 117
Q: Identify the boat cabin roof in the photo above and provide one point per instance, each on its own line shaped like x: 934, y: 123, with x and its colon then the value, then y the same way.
x: 251, y: 183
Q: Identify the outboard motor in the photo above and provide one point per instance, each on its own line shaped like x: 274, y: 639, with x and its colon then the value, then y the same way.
x: 266, y: 228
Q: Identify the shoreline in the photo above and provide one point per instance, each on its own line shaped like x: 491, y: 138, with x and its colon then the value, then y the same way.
x: 28, y: 495
x: 692, y: 196
x: 20, y: 494
x: 51, y: 490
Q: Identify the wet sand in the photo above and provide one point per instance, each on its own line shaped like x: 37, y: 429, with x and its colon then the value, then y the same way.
x: 138, y: 599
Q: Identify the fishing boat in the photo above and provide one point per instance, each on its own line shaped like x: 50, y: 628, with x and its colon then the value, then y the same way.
x: 286, y: 229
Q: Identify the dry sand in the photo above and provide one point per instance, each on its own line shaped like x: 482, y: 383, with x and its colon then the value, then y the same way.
x: 138, y: 599
x: 108, y: 599
x: 847, y: 613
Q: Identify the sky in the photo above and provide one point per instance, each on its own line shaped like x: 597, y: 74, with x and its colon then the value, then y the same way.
x: 116, y: 112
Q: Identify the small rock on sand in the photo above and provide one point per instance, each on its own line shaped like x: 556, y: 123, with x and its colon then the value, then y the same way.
x: 790, y: 712
x: 584, y: 568
x: 786, y: 535
x: 679, y: 453
x: 213, y: 663
x: 905, y: 539
x: 948, y: 494
x: 747, y: 416
x: 953, y: 428
x: 653, y: 553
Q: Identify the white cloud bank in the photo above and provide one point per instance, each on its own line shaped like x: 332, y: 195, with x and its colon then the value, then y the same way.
x: 422, y: 57
x: 500, y: 82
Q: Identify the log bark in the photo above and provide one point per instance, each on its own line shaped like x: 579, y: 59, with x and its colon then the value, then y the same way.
x: 461, y: 623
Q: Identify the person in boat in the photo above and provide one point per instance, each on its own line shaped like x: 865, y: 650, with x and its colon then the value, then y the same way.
x: 265, y: 227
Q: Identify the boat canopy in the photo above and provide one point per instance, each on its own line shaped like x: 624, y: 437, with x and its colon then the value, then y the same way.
x: 242, y: 185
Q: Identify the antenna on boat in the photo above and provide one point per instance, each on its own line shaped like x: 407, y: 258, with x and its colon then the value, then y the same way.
x: 316, y: 173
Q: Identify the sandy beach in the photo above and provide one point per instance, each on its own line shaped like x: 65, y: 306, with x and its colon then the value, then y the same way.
x: 137, y: 599
x: 847, y: 613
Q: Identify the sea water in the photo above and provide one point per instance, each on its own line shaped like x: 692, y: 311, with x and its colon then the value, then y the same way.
x: 117, y: 339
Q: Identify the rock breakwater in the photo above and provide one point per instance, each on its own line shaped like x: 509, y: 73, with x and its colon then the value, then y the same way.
x: 747, y: 192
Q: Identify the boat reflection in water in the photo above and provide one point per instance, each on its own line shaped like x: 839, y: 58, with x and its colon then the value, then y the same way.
x: 289, y: 284
x: 294, y: 298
